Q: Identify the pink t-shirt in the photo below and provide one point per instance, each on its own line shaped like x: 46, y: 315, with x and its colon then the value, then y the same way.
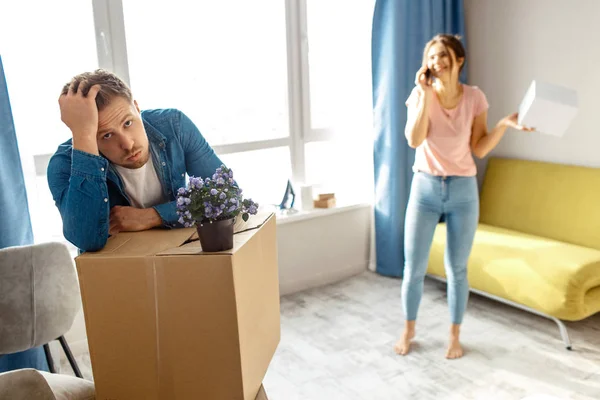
x: 446, y: 151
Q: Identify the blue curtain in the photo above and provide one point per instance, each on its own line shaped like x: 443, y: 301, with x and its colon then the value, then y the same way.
x: 401, y: 28
x: 15, y: 225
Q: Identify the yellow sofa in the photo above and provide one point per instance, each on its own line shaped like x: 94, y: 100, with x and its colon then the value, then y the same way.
x: 537, y: 246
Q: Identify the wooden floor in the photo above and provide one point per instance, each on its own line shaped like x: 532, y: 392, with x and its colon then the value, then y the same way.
x: 337, y: 343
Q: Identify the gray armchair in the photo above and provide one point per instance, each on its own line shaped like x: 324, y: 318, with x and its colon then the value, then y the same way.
x: 30, y: 384
x: 39, y: 299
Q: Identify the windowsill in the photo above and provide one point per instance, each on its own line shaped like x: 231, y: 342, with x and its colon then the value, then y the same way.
x: 301, y: 215
x: 282, y: 218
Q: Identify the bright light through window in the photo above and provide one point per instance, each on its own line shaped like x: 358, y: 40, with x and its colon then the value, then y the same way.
x: 44, y: 44
x: 339, y: 37
x: 339, y: 34
x: 262, y: 174
x: 223, y: 63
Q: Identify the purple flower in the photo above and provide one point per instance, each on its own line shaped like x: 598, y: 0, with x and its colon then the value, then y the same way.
x: 196, y: 183
x: 180, y: 201
x: 181, y: 191
x: 220, y: 181
x: 181, y: 220
x: 232, y: 209
x: 214, y: 192
x: 222, y: 196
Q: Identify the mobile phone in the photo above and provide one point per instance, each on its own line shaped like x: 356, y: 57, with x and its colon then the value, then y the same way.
x: 428, y: 74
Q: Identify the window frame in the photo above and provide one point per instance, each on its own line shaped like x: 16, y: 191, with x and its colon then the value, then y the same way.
x: 111, y: 47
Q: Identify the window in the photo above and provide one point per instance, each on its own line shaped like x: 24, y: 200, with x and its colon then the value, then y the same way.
x: 280, y: 88
x: 41, y: 51
x: 223, y: 63
x: 338, y: 150
x: 339, y: 58
x: 268, y: 169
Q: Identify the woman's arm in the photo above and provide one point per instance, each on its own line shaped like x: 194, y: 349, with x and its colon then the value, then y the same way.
x: 482, y: 142
x: 417, y: 123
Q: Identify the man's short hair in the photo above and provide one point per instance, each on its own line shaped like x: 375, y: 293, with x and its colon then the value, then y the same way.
x: 111, y: 86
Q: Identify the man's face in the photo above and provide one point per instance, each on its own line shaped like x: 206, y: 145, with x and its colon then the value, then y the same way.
x: 121, y: 135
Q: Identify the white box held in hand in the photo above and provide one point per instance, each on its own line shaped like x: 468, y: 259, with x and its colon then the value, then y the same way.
x: 548, y: 108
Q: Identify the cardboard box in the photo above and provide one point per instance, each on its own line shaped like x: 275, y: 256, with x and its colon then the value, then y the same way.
x: 261, y: 394
x: 326, y: 196
x: 548, y: 108
x: 166, y: 321
x: 329, y: 203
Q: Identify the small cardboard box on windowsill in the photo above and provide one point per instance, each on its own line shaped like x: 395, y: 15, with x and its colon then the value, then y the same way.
x: 165, y: 320
x: 325, y: 200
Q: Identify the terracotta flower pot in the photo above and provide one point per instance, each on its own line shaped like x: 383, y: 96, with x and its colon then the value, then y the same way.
x: 216, y: 236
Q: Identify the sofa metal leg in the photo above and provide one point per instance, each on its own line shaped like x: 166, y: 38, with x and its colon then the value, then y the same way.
x: 561, y: 326
x: 49, y: 359
x: 563, y: 332
x: 67, y: 350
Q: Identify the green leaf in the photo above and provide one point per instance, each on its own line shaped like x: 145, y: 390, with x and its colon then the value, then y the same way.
x: 245, y: 217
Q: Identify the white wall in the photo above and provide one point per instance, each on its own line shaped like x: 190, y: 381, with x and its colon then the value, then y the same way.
x: 323, y: 250
x: 512, y: 42
x: 311, y: 253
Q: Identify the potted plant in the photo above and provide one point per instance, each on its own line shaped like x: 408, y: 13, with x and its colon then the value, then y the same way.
x: 211, y: 205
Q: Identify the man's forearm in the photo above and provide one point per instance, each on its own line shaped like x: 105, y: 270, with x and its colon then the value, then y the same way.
x: 167, y: 213
x: 78, y: 186
x: 86, y: 142
x: 152, y: 218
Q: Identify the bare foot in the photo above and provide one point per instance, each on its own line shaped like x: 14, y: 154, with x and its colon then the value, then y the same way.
x: 455, y: 350
x: 402, y: 346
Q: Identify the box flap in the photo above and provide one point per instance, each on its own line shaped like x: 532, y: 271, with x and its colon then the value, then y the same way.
x: 139, y: 244
x: 243, y: 231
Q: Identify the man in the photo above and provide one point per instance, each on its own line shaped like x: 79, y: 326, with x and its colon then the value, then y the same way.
x: 122, y: 168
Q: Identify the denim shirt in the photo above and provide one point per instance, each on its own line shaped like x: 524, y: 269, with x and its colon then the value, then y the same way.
x: 85, y: 186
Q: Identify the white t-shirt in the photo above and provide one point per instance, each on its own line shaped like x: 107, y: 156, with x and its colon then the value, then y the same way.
x: 142, y: 185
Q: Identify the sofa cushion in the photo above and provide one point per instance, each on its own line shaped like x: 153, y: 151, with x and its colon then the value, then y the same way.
x: 556, y: 278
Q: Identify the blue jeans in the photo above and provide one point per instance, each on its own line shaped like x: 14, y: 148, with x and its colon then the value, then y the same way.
x: 456, y: 198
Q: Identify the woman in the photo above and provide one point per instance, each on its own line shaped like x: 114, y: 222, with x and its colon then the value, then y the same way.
x: 447, y: 123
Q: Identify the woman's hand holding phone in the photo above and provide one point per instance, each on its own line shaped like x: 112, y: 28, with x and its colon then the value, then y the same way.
x: 424, y: 79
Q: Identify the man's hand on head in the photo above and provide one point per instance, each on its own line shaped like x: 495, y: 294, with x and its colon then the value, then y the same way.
x: 131, y: 219
x: 79, y: 112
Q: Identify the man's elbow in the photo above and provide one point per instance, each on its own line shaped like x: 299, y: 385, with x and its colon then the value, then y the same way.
x: 86, y: 244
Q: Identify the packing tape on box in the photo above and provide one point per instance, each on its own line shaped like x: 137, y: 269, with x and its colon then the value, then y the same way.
x: 164, y: 373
